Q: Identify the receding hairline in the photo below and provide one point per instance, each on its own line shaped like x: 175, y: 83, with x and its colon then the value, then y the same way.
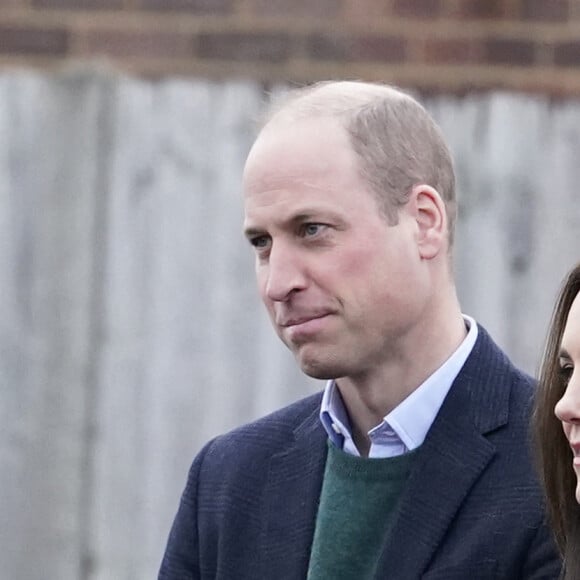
x: 332, y: 99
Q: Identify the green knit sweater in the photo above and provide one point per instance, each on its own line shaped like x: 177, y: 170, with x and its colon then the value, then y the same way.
x: 357, y: 504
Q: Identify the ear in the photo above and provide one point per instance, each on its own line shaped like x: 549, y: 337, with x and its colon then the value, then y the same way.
x: 431, y: 218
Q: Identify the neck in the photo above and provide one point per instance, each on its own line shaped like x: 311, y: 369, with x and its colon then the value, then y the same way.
x: 371, y: 396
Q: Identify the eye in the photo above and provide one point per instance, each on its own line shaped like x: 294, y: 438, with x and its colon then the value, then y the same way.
x: 565, y: 371
x: 260, y: 242
x: 312, y: 229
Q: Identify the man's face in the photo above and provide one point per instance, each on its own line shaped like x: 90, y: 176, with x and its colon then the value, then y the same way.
x: 343, y: 288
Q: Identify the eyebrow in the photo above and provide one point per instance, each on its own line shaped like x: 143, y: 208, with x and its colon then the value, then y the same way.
x: 252, y: 232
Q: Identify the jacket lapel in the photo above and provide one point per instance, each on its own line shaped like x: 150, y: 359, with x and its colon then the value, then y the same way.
x: 447, y: 466
x: 291, y: 502
x: 451, y: 459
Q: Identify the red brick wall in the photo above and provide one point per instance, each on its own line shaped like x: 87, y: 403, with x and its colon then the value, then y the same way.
x: 433, y: 45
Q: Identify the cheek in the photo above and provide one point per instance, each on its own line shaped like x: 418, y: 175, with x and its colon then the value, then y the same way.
x: 261, y: 282
x: 364, y: 262
x: 262, y: 291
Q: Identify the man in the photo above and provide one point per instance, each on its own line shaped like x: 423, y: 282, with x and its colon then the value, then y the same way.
x: 414, y: 462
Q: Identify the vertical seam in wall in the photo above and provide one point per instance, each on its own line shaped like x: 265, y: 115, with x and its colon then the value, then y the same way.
x: 105, y: 125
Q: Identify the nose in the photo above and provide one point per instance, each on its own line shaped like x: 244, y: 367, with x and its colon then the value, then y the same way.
x: 568, y: 407
x: 283, y: 273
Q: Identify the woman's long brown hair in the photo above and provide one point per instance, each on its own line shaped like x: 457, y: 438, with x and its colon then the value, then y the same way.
x: 553, y: 450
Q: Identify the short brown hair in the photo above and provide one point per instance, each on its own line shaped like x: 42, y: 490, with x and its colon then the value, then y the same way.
x: 553, y: 450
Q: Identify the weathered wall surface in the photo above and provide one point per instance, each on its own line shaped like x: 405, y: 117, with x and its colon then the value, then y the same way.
x: 131, y: 331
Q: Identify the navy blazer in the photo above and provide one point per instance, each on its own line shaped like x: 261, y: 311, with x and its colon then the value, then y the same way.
x: 472, y: 508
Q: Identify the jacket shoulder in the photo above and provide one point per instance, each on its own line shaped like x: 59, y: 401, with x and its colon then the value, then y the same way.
x: 259, y: 439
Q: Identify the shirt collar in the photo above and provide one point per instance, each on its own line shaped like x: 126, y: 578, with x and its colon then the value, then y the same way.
x: 334, y: 416
x: 413, y: 417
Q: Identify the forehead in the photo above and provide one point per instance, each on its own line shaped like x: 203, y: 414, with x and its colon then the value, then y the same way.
x: 301, y: 166
x: 571, y: 336
x: 289, y: 147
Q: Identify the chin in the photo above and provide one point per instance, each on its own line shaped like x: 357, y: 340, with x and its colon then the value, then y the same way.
x: 319, y: 368
x: 315, y: 369
x: 322, y: 374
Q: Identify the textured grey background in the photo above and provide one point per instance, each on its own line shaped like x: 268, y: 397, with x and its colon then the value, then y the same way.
x: 131, y: 331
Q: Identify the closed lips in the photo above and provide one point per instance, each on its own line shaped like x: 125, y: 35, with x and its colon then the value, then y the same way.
x: 302, y: 319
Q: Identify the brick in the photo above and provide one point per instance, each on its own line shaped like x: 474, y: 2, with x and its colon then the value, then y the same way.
x: 379, y: 49
x: 567, y: 54
x: 193, y: 6
x: 551, y: 10
x: 241, y: 46
x: 328, y: 47
x: 451, y: 51
x: 305, y: 9
x: 34, y: 41
x: 351, y: 49
x: 479, y: 9
x: 127, y: 43
x: 509, y: 51
x: 366, y: 11
x: 417, y: 8
x: 78, y: 4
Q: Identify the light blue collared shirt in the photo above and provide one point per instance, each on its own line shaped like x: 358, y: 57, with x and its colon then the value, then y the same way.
x: 406, y: 426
